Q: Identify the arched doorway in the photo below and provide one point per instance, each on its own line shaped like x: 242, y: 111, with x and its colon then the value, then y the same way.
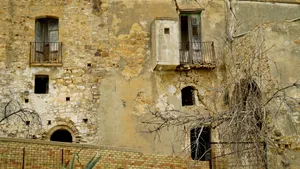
x: 61, y: 135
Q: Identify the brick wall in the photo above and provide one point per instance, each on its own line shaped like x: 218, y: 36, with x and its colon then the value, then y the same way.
x: 36, y: 154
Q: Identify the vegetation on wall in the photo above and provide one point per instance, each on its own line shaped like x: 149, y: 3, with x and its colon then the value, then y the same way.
x: 90, y: 164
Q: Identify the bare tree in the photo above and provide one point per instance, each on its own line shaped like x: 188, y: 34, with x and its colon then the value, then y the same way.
x: 244, y: 126
x: 14, y: 115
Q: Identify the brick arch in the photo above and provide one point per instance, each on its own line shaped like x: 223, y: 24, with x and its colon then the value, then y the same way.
x: 64, y: 126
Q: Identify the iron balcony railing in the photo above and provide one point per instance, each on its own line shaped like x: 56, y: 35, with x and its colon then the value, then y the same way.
x: 46, y: 53
x: 201, y: 53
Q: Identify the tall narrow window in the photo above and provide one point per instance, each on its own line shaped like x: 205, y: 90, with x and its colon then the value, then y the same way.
x: 46, y: 43
x: 41, y: 84
x: 187, y: 96
x: 200, y: 143
x: 190, y: 38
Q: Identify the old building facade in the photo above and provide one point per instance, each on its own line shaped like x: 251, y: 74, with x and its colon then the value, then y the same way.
x: 94, y: 69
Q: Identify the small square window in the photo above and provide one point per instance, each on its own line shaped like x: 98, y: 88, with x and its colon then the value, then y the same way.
x: 26, y: 100
x: 89, y: 65
x: 41, y: 84
x: 67, y: 99
x: 167, y: 30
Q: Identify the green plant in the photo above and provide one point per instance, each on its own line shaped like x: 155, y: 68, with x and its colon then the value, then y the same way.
x: 92, y: 162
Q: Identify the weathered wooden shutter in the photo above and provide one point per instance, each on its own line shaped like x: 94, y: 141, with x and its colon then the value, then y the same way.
x: 194, y: 28
x: 39, y: 38
x: 38, y: 31
x: 53, y: 34
x: 195, y: 37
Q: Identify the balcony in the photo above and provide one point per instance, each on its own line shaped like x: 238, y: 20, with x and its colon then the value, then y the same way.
x: 45, y: 54
x: 198, y: 54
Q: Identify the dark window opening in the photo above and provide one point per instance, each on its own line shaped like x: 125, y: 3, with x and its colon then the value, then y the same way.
x: 89, y: 65
x: 27, y: 123
x: 187, y: 96
x: 85, y: 120
x: 26, y: 100
x: 61, y: 136
x: 41, y: 84
x: 49, y: 122
x: 167, y: 30
x: 200, y: 143
x: 67, y: 98
x: 184, y: 32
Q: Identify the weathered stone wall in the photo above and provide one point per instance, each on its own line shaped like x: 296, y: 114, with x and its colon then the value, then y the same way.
x: 276, y: 25
x: 116, y: 91
x: 118, y: 87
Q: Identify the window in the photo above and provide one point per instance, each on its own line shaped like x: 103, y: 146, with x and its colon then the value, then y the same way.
x: 200, y: 143
x: 47, y: 48
x: 46, y: 30
x: 247, y: 97
x: 190, y: 38
x: 61, y: 135
x: 187, y: 96
x: 41, y: 84
x: 167, y: 30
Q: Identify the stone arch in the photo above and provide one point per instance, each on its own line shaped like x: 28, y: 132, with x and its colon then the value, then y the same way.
x: 61, y: 135
x: 64, y: 128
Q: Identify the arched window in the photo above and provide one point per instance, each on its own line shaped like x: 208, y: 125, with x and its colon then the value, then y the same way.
x: 61, y: 135
x: 247, y: 97
x: 187, y: 96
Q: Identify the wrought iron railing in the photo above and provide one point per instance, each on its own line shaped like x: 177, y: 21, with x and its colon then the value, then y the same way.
x: 45, y: 53
x: 202, y: 53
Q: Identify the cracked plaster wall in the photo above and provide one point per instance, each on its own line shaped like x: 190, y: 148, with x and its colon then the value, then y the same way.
x: 115, y: 92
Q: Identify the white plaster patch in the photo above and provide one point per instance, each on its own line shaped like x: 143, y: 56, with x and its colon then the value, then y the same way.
x: 162, y: 103
x: 144, y: 24
x: 295, y: 117
x: 172, y: 89
x: 286, y: 43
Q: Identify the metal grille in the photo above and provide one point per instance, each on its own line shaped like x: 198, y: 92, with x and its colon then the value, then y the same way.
x: 202, y: 53
x: 45, y: 53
